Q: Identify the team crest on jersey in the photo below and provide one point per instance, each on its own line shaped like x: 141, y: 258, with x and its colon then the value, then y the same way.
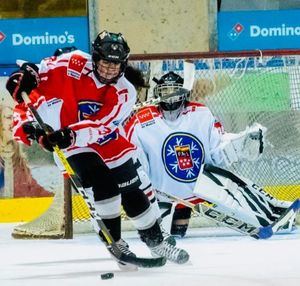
x: 86, y: 109
x: 183, y: 155
x: 145, y: 117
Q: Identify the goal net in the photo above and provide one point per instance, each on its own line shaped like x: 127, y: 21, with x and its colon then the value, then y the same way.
x: 240, y: 89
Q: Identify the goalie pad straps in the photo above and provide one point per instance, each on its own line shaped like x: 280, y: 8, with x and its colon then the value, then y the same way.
x: 229, y: 195
x: 266, y: 196
x: 253, y: 190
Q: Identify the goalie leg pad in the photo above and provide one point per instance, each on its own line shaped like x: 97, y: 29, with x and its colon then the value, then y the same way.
x: 229, y: 198
x: 271, y: 206
x: 266, y: 197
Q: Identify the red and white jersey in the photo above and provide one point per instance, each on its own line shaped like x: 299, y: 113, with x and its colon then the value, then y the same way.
x: 174, y: 151
x: 69, y: 94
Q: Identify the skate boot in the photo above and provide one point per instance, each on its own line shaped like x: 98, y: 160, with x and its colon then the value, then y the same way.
x: 171, y: 252
x: 124, y: 248
x: 162, y: 248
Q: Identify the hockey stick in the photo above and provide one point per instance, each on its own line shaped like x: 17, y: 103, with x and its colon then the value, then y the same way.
x: 97, y: 222
x: 236, y: 224
x: 216, y: 216
x: 189, y: 70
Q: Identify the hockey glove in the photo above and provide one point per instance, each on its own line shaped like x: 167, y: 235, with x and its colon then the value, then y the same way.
x: 33, y: 130
x: 25, y: 79
x: 63, y: 138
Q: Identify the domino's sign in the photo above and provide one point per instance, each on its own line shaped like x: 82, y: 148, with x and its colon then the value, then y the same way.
x: 250, y: 30
x: 34, y: 39
x: 282, y: 31
x: 43, y: 39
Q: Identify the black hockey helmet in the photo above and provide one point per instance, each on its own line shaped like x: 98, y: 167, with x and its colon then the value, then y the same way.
x: 170, y: 90
x: 111, y: 47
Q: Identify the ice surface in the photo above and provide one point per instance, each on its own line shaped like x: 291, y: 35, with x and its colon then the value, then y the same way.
x: 219, y: 257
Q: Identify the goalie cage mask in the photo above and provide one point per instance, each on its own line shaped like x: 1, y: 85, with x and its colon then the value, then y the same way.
x: 172, y: 95
x: 110, y: 47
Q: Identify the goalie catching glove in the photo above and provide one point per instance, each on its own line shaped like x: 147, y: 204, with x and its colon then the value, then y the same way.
x: 248, y: 144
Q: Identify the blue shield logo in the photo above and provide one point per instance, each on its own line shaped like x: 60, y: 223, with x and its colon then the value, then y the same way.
x: 183, y: 155
x: 86, y: 109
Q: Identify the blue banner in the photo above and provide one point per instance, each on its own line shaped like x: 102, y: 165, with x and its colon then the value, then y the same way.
x: 250, y: 30
x: 34, y: 39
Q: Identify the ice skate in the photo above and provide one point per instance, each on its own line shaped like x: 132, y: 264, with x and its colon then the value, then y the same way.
x: 171, y: 252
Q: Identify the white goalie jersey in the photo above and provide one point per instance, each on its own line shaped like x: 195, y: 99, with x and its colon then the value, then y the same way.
x: 176, y: 155
x: 175, y: 151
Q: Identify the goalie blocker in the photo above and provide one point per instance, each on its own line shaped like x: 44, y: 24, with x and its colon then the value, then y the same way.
x: 239, y: 197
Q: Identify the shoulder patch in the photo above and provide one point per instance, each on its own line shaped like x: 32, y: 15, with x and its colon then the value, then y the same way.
x: 145, y: 117
x: 76, y: 65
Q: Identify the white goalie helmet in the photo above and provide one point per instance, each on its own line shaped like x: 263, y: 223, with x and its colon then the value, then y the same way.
x: 172, y: 95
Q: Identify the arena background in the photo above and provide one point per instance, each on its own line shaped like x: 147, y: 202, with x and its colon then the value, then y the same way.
x: 29, y: 177
x: 149, y: 28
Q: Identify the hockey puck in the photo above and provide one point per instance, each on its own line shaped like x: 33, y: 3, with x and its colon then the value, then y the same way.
x: 107, y: 275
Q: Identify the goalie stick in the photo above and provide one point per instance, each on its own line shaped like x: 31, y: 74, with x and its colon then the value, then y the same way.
x: 97, y: 222
x: 189, y: 70
x: 263, y: 232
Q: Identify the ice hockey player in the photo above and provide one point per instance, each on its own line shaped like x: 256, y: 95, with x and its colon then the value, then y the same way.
x: 178, y: 139
x: 85, y: 98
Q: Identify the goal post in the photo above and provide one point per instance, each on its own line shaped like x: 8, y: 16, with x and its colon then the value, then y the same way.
x: 240, y: 88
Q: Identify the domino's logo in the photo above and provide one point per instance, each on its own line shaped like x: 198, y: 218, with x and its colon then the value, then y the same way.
x: 235, y: 32
x: 2, y: 37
